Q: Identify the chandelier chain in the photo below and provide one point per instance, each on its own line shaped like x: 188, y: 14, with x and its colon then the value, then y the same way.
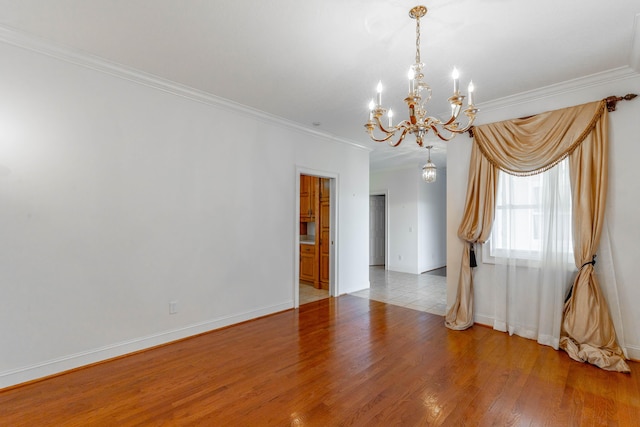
x: 417, y: 40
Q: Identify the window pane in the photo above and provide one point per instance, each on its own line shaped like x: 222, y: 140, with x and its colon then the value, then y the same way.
x: 522, y: 216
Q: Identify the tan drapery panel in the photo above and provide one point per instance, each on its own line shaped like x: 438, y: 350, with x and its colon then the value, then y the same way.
x: 533, y: 145
x: 588, y: 333
x: 475, y: 227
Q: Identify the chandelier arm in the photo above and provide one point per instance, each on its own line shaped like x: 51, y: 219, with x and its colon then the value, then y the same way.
x: 385, y: 139
x: 432, y: 121
x: 402, y: 135
x: 471, y: 117
x: 386, y: 131
x: 454, y: 115
x: 470, y: 112
x: 375, y: 122
x: 451, y: 120
x: 405, y: 124
x: 441, y: 136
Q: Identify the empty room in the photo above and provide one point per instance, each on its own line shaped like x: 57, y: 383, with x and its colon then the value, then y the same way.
x: 319, y: 213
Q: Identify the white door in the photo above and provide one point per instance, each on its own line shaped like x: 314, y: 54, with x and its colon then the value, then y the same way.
x: 376, y: 230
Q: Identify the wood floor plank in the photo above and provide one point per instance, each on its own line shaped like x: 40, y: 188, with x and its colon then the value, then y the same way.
x: 339, y: 361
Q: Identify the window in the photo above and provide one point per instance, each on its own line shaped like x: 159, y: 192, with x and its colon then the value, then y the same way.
x: 528, y: 209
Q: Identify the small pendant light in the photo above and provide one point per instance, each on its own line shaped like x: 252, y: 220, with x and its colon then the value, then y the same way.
x: 429, y: 169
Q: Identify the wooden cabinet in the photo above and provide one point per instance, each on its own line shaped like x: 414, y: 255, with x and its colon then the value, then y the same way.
x: 314, y: 220
x: 308, y: 263
x: 323, y: 229
x: 308, y: 198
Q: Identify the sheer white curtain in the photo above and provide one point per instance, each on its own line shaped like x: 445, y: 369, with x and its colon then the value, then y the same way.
x: 533, y: 253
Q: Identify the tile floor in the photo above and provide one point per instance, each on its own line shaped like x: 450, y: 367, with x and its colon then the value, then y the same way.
x: 425, y: 292
x: 309, y: 294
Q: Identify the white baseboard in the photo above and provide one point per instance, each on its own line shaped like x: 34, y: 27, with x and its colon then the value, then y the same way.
x: 72, y: 361
x: 483, y: 319
x: 633, y: 353
x: 355, y: 288
x: 56, y: 366
x: 401, y: 269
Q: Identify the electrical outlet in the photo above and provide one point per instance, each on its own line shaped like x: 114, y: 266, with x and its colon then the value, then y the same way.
x: 173, y: 307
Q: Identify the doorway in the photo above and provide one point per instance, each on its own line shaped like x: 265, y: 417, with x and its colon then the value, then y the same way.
x: 316, y: 200
x: 377, y: 230
x: 426, y: 291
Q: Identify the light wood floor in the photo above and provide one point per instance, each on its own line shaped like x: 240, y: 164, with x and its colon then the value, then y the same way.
x: 334, y: 362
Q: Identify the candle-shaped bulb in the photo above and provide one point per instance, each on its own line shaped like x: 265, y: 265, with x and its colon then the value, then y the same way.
x: 379, y: 90
x: 412, y: 80
x: 456, y: 76
x: 471, y: 89
x: 390, y: 115
x: 372, y: 105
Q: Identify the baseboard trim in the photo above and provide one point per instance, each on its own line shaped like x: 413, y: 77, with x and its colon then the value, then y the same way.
x: 401, y: 269
x: 74, y: 361
x: 633, y: 353
x: 483, y: 320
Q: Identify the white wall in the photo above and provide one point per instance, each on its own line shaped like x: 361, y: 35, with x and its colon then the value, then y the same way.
x: 416, y: 218
x: 117, y: 197
x: 432, y: 219
x: 623, y: 203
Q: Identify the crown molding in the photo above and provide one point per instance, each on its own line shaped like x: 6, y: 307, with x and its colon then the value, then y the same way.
x: 30, y: 42
x: 569, y: 86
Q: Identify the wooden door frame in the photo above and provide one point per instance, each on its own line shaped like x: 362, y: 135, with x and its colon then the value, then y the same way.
x: 334, y: 285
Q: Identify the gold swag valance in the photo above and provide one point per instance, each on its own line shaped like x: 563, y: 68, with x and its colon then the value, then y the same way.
x: 533, y: 145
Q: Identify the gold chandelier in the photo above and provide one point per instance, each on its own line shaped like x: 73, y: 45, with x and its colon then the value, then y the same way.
x: 419, y: 122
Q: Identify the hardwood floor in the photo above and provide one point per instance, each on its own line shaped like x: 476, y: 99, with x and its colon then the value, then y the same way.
x: 338, y: 361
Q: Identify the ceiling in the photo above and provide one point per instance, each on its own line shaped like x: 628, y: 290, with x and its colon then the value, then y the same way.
x: 318, y: 61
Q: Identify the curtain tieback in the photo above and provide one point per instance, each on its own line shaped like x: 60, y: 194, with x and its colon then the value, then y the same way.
x: 592, y: 262
x: 472, y: 256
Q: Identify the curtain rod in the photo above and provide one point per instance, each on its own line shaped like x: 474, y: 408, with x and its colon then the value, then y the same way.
x: 611, y: 105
